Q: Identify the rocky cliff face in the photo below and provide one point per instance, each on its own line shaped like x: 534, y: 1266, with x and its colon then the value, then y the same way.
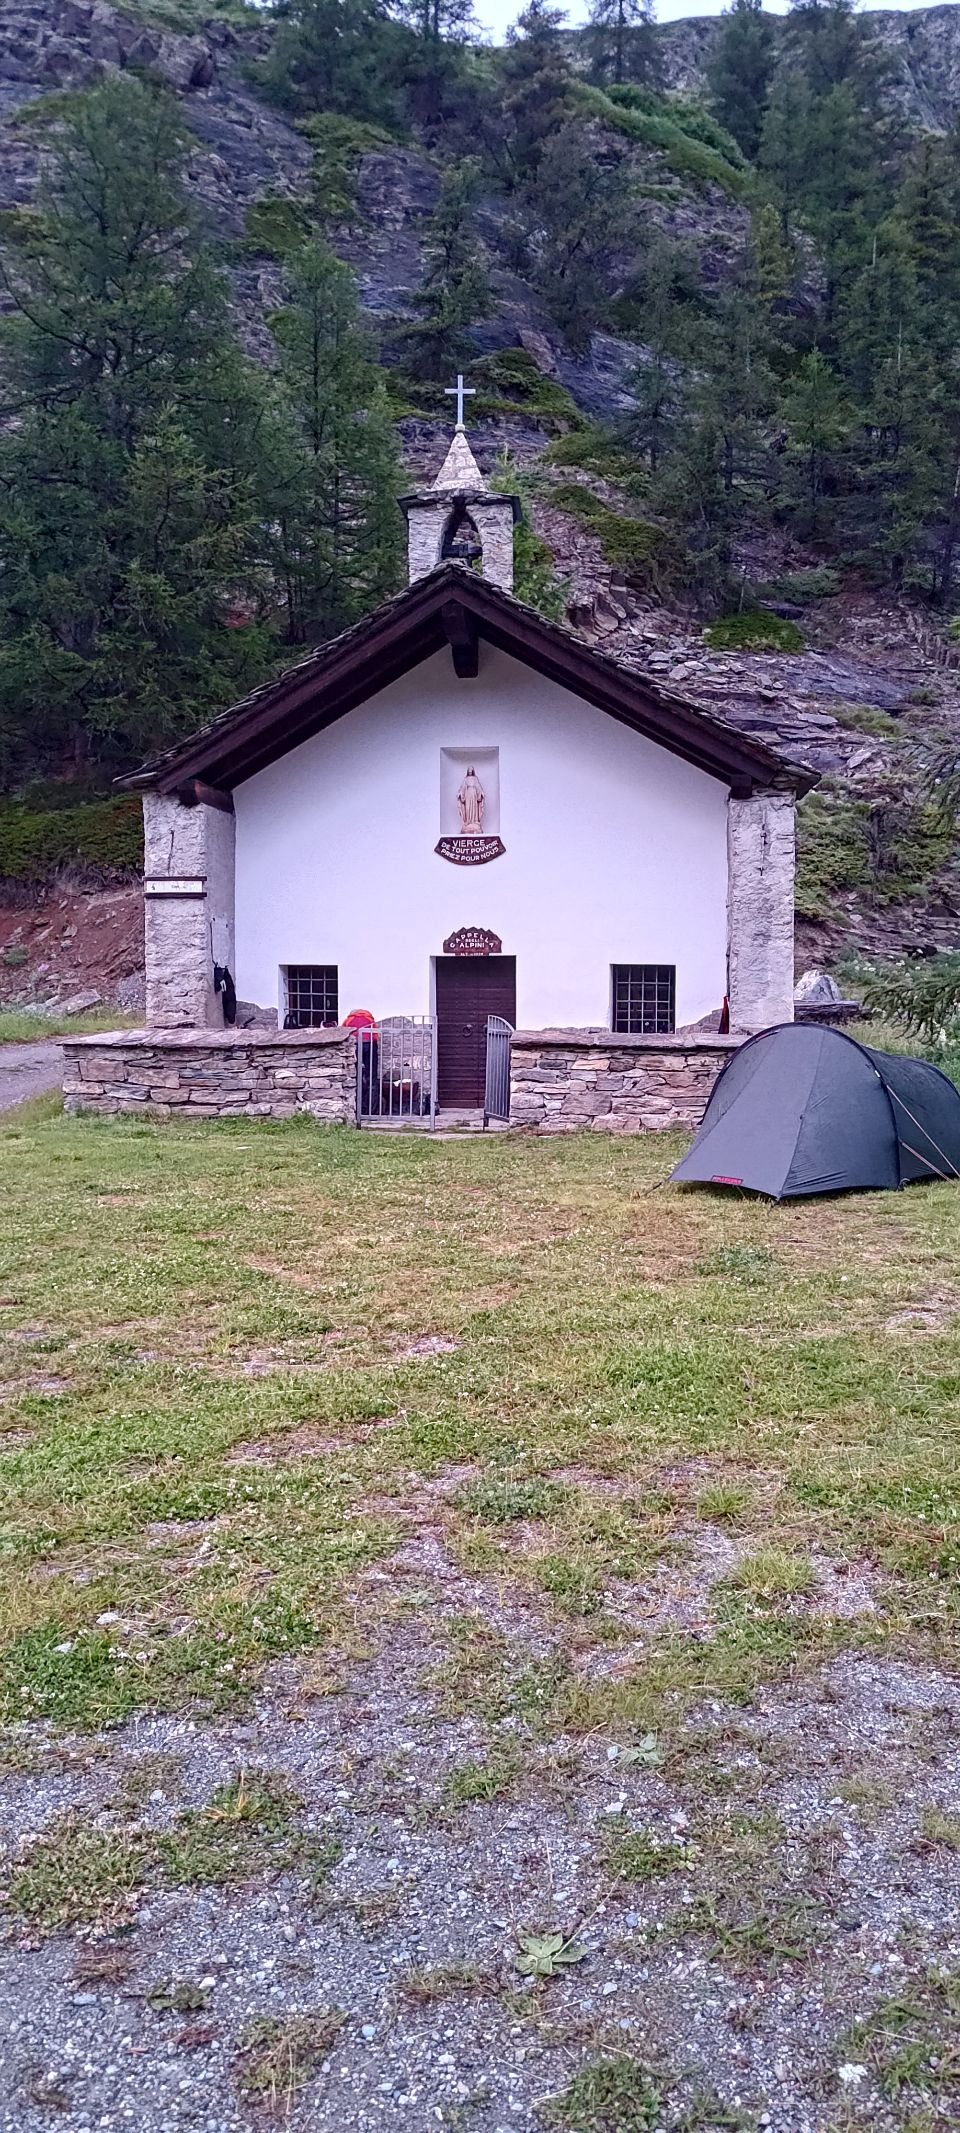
x: 922, y: 46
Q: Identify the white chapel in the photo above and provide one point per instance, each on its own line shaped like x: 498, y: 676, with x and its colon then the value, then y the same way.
x: 459, y: 810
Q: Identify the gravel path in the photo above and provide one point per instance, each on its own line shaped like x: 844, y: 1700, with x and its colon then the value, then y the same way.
x: 799, y: 1889
x: 28, y: 1070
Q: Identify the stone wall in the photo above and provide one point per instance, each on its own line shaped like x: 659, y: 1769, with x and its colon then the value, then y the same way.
x: 207, y: 1074
x: 571, y: 1081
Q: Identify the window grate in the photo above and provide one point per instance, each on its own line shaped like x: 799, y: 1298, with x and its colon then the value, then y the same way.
x: 644, y: 999
x: 312, y: 996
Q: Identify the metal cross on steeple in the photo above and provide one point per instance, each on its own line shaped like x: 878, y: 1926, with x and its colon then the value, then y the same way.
x: 459, y: 392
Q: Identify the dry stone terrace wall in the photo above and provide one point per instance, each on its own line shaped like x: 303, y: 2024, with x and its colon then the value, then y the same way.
x: 222, y: 1074
x: 571, y: 1081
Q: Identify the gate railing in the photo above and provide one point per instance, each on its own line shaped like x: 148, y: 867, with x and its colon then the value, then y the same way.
x: 397, y: 1069
x: 496, y: 1093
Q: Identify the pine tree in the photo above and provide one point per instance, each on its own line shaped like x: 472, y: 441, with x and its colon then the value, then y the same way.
x: 660, y: 383
x: 538, y: 85
x: 740, y: 73
x: 433, y: 69
x: 129, y: 457
x: 735, y: 391
x: 580, y: 209
x: 926, y: 216
x: 337, y: 55
x: 825, y: 38
x: 455, y: 292
x: 621, y: 41
x: 817, y: 418
x: 784, y: 143
x: 337, y: 537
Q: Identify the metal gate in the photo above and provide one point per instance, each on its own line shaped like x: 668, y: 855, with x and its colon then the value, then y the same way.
x: 397, y: 1070
x: 496, y: 1095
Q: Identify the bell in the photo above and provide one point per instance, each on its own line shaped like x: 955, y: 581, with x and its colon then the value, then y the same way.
x: 465, y: 548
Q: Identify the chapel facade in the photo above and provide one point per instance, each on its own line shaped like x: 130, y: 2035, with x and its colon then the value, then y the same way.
x: 458, y: 811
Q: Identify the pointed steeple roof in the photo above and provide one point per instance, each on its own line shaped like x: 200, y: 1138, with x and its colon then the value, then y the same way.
x: 460, y: 470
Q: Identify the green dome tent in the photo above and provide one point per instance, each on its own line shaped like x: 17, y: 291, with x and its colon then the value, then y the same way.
x: 800, y: 1109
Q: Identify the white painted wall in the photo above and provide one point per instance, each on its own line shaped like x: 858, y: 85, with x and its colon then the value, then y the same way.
x: 615, y: 852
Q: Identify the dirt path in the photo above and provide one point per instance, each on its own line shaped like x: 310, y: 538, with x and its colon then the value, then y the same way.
x: 28, y: 1070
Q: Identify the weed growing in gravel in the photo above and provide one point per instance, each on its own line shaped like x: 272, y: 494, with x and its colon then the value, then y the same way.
x: 871, y: 1795
x: 576, y: 1587
x: 909, y: 2043
x: 725, y: 1504
x: 609, y: 2096
x: 280, y: 2054
x: 940, y: 1830
x: 770, y: 1575
x: 75, y: 1874
x: 247, y: 1825
x: 637, y: 1855
x: 178, y: 1996
x: 749, y: 1930
x: 443, y: 1982
x: 474, y: 1781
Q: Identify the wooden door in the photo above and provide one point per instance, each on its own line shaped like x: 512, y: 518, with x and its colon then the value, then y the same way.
x: 469, y: 988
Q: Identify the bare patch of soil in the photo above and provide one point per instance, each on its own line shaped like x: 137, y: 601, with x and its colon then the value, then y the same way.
x: 424, y: 1347
x: 73, y: 942
x: 302, y: 1443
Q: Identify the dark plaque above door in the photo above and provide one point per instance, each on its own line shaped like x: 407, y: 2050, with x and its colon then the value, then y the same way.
x: 473, y: 940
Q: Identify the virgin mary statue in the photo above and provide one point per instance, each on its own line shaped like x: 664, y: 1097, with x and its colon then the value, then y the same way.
x: 471, y: 803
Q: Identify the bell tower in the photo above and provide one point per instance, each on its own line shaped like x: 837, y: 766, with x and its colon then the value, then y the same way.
x: 459, y: 519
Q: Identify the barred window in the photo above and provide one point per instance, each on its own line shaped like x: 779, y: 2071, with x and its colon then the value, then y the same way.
x: 644, y: 998
x: 312, y: 996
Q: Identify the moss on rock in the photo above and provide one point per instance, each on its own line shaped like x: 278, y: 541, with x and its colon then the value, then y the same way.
x: 646, y: 553
x: 753, y: 630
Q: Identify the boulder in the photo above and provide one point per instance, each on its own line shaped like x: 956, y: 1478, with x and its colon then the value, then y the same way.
x: 816, y: 989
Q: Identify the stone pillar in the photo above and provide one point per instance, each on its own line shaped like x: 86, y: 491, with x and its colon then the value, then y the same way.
x: 760, y: 870
x: 426, y: 520
x: 186, y: 935
x: 494, y: 523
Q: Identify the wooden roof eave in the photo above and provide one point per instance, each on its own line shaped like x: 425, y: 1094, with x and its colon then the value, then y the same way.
x: 451, y: 604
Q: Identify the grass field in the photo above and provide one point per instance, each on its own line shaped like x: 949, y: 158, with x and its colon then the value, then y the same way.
x: 30, y: 1025
x: 790, y: 1374
x: 272, y: 1393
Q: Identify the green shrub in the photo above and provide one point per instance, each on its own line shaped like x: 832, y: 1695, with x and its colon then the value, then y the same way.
x: 890, y: 851
x: 276, y: 225
x: 667, y: 126
x: 339, y: 145
x: 805, y: 586
x: 594, y: 451
x: 753, y: 630
x: 833, y: 850
x: 534, y: 577
x: 105, y: 835
x: 645, y: 553
x: 923, y: 995
x: 865, y: 718
x: 512, y: 375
